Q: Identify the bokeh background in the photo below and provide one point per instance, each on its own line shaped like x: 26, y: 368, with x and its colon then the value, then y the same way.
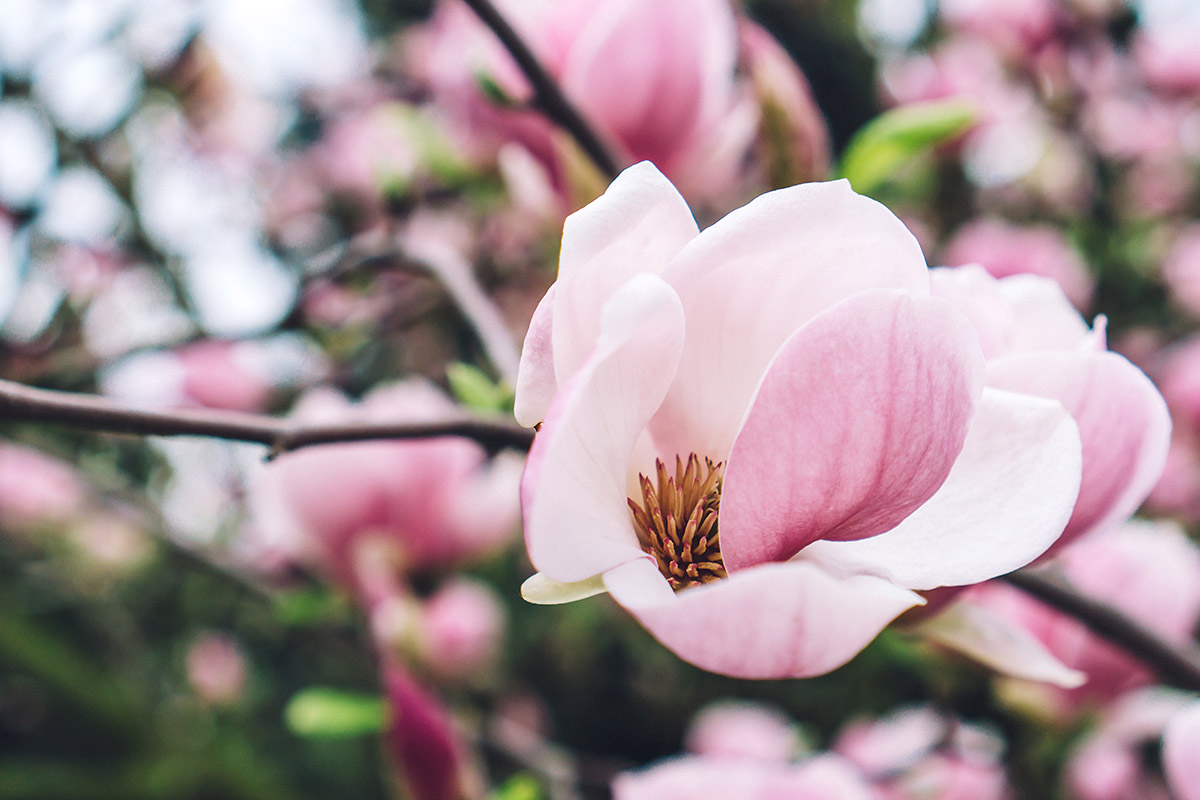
x: 284, y: 206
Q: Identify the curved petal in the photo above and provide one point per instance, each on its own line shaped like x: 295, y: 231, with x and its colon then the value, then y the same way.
x: 813, y: 245
x: 543, y: 591
x: 536, y: 383
x: 771, y: 621
x: 857, y: 423
x: 635, y: 227
x: 573, y: 493
x: 977, y: 633
x: 1006, y: 500
x: 1123, y: 423
x: 1181, y: 753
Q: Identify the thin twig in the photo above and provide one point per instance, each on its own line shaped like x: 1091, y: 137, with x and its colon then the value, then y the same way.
x: 547, y: 96
x: 1173, y: 665
x: 26, y: 404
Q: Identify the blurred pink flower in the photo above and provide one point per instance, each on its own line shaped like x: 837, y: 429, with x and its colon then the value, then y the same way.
x: 743, y: 730
x: 1149, y: 571
x: 1004, y: 249
x: 1169, y: 58
x: 702, y: 778
x: 1181, y: 752
x: 818, y: 410
x: 1036, y: 343
x: 461, y: 626
x: 421, y: 503
x: 216, y: 668
x: 1110, y: 763
x: 918, y: 754
x: 657, y: 80
x: 214, y: 377
x: 1177, y: 492
x: 36, y: 489
x: 1017, y: 27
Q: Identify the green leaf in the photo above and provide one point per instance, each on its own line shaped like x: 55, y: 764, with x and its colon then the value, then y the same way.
x: 521, y: 786
x: 322, y: 712
x: 494, y: 92
x: 898, y: 136
x: 474, y: 389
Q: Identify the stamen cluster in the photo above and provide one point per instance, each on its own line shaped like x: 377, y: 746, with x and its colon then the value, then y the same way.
x: 676, y: 521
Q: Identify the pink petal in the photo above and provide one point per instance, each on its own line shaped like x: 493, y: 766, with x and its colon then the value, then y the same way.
x: 536, y: 383
x: 1181, y: 753
x: 813, y: 245
x: 1022, y: 313
x: 1123, y: 424
x: 826, y: 777
x: 857, y: 423
x: 577, y: 523
x: 981, y: 635
x: 786, y: 620
x: 1006, y: 500
x: 635, y: 227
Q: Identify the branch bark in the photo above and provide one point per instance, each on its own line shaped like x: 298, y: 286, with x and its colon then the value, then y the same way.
x: 1173, y: 665
x: 26, y: 404
x: 547, y: 96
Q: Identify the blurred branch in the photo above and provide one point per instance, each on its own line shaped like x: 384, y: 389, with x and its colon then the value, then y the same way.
x: 547, y: 96
x: 1173, y: 665
x: 20, y: 403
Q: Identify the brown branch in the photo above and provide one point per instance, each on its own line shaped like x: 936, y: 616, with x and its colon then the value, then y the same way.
x: 1173, y: 665
x: 547, y: 96
x: 20, y: 403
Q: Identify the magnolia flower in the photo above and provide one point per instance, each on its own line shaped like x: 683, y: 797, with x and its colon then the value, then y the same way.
x: 413, y: 504
x: 658, y: 81
x: 763, y: 437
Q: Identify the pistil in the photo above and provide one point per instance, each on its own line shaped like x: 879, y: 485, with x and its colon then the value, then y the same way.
x: 676, y: 520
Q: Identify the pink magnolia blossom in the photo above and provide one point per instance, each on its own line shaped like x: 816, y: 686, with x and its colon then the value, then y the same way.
x: 1036, y: 343
x: 1181, y: 752
x: 420, y: 503
x: 705, y: 778
x: 657, y: 80
x: 919, y: 754
x: 780, y: 389
x: 1005, y: 249
x: 1110, y: 763
x: 1149, y: 571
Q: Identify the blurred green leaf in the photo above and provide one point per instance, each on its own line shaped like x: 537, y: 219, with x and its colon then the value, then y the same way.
x: 521, y: 786
x: 896, y: 137
x: 324, y: 712
x: 474, y: 389
x: 310, y: 606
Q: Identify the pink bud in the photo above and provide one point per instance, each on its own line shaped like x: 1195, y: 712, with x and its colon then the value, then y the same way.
x: 216, y: 668
x: 462, y: 625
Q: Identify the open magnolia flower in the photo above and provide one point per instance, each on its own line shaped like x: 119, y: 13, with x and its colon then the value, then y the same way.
x: 764, y: 438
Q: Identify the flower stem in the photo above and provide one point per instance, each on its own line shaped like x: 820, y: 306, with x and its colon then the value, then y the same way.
x: 1173, y: 665
x: 547, y: 96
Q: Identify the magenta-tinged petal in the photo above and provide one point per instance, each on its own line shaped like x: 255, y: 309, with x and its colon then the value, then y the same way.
x: 1181, y: 753
x: 786, y: 620
x: 536, y: 383
x: 825, y: 777
x: 1006, y: 500
x: 635, y: 227
x: 1123, y: 424
x: 577, y: 522
x: 763, y: 271
x: 857, y: 423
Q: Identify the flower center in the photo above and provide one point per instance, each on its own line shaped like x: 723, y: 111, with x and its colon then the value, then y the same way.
x: 676, y: 521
